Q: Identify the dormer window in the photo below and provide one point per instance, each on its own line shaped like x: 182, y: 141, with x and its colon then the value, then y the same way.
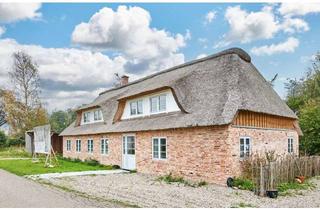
x: 92, y: 116
x: 150, y: 104
x: 158, y: 103
x: 136, y: 107
x: 86, y: 117
x: 97, y: 115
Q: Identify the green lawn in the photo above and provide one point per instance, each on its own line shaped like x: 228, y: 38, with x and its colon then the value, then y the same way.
x: 27, y: 167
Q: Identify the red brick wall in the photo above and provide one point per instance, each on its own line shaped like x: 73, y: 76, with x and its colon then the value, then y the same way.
x: 199, y: 153
x: 262, y: 140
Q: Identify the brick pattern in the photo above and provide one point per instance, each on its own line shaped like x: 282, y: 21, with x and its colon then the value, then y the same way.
x: 197, y: 153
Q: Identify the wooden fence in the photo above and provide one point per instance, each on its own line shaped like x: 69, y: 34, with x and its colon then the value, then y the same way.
x: 268, y: 175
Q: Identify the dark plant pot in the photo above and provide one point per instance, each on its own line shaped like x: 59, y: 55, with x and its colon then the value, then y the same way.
x: 230, y: 182
x: 272, y: 193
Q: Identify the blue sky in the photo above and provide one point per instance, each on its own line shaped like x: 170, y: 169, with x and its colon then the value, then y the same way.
x: 76, y: 63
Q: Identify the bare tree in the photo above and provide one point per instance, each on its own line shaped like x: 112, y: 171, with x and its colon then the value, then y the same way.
x: 25, y: 77
x: 2, y: 110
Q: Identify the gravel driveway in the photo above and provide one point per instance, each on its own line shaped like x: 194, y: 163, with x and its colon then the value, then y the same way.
x: 146, y: 191
x: 19, y: 192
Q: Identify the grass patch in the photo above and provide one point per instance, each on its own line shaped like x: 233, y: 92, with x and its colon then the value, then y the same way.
x: 243, y: 205
x: 243, y: 184
x: 289, y: 188
x: 27, y: 167
x: 14, y: 152
x: 169, y: 179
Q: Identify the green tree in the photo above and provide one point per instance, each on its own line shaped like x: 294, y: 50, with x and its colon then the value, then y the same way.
x: 303, y: 96
x: 59, y: 120
x: 3, y: 139
x: 310, y: 125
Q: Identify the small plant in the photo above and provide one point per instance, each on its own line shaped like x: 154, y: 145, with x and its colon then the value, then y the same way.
x: 92, y: 162
x: 243, y: 184
x: 285, y: 187
x: 171, y: 179
x: 245, y: 205
x: 176, y: 179
x: 115, y: 167
x: 202, y: 183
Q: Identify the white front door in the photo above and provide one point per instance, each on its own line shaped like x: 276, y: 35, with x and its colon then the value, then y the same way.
x: 128, y: 152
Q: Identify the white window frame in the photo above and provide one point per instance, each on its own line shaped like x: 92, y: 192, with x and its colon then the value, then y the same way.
x: 86, y: 117
x: 290, y: 145
x: 104, y: 148
x: 159, y: 148
x: 97, y: 113
x: 78, y: 146
x: 68, y: 147
x: 136, y: 103
x: 245, y: 151
x: 158, y: 104
x: 90, y: 146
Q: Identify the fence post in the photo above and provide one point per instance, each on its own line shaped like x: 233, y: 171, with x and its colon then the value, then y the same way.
x: 271, y: 176
x: 261, y: 180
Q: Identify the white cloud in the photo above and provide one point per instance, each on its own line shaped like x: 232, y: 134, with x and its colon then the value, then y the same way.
x: 71, y: 75
x: 127, y: 30
x: 288, y: 46
x: 11, y: 12
x: 201, y: 56
x: 292, y: 25
x: 299, y: 8
x: 246, y: 27
x: 2, y: 30
x: 210, y: 16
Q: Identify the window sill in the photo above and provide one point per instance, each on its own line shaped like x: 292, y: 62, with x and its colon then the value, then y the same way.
x: 158, y: 159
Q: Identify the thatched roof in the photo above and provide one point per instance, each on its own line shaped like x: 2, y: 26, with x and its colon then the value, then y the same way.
x: 210, y: 90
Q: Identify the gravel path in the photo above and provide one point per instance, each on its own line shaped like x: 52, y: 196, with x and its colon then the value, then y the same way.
x: 19, y: 192
x: 145, y: 191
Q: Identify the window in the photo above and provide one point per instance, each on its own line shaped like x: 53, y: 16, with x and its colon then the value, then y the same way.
x: 68, y: 145
x: 97, y: 115
x: 158, y: 103
x: 90, y: 145
x: 290, y: 145
x: 244, y: 147
x: 136, y: 107
x: 159, y: 148
x: 86, y: 117
x: 104, y: 146
x: 78, y: 145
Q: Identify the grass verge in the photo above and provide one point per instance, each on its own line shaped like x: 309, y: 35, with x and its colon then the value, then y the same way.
x: 27, y: 167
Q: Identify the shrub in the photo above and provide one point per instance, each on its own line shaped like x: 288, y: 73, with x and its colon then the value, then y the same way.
x: 3, y: 139
x: 14, y: 142
x: 92, y: 162
x: 243, y: 184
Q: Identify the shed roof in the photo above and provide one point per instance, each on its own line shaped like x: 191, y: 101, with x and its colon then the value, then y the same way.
x: 210, y: 90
